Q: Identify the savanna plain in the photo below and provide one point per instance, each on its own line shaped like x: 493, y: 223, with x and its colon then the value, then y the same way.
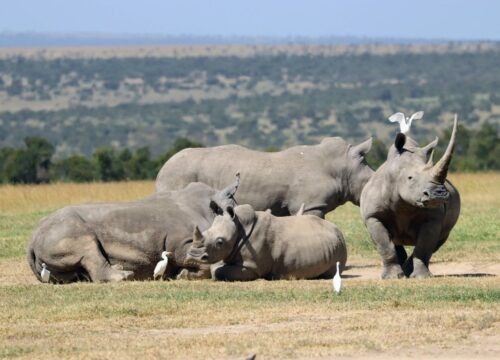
x: 455, y: 314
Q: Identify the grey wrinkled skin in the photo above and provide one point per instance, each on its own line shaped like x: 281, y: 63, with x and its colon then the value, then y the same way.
x: 408, y: 201
x: 301, y: 247
x: 120, y: 241
x: 322, y: 176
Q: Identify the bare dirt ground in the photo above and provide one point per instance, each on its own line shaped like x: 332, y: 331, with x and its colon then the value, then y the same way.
x: 14, y: 272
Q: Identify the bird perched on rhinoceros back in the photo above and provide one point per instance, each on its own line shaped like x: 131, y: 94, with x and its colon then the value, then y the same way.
x: 408, y: 201
x: 322, y: 176
x: 120, y: 241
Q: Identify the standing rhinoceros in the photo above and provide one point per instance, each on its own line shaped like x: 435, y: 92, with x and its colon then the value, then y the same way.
x: 118, y: 241
x: 256, y: 244
x: 323, y: 176
x: 408, y: 201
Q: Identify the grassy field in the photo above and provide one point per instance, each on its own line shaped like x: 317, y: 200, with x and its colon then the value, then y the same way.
x: 448, y: 317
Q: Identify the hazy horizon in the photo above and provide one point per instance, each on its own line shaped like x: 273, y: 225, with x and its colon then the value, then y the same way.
x: 389, y: 19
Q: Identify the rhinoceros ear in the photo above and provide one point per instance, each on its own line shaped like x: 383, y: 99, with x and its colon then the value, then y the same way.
x: 230, y: 211
x: 362, y: 149
x: 399, y: 142
x: 215, y: 208
x: 429, y: 149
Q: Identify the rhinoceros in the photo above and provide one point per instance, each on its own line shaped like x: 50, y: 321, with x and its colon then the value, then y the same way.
x: 119, y: 241
x: 408, y: 201
x: 323, y: 176
x: 255, y: 244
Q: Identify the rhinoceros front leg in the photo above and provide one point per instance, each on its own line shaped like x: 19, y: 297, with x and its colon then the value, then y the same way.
x: 386, y: 248
x: 417, y: 265
x: 194, y: 274
x: 234, y: 273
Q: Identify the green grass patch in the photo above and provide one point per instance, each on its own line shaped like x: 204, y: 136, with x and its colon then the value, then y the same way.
x: 136, y: 299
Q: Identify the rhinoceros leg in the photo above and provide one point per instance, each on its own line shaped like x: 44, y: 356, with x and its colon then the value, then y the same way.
x: 194, y: 274
x: 96, y: 264
x: 234, y: 273
x: 427, y: 242
x: 401, y: 253
x: 386, y: 249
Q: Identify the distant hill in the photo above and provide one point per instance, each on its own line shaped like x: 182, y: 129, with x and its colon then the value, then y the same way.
x: 16, y: 40
x: 257, y: 95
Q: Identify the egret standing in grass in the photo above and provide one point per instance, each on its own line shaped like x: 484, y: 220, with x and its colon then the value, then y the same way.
x: 161, y: 266
x: 337, y: 280
x: 45, y: 274
x: 405, y: 122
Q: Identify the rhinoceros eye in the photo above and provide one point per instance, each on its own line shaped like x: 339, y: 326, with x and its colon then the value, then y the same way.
x: 410, y: 177
x: 219, y: 242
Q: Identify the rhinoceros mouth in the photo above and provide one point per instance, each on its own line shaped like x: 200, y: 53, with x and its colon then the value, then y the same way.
x: 434, y: 198
x: 196, y: 259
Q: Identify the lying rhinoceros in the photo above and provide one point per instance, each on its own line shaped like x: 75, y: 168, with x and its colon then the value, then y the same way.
x: 323, y: 176
x: 118, y: 241
x: 256, y: 244
x: 408, y: 201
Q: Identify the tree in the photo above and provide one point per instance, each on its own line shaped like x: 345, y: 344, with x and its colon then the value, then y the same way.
x: 484, y: 148
x: 377, y: 154
x: 31, y: 164
x: 75, y: 168
x: 109, y: 166
x: 141, y: 166
x: 179, y: 144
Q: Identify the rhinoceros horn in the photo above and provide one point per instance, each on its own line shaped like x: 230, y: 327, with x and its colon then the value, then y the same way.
x: 197, y: 237
x: 440, y: 170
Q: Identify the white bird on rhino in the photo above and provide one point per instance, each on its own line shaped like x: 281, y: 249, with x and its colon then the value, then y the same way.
x: 405, y: 122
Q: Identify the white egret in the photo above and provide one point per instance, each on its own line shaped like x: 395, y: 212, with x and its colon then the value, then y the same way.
x: 337, y: 280
x: 161, y: 266
x: 45, y: 274
x: 405, y: 122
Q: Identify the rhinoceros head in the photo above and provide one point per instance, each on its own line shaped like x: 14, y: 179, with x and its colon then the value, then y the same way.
x: 414, y: 176
x: 225, y: 197
x: 218, y: 242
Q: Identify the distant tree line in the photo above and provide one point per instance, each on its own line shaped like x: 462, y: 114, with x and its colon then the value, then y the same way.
x: 475, y: 151
x: 33, y: 163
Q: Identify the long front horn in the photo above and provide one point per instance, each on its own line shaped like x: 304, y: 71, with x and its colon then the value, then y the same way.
x: 440, y: 170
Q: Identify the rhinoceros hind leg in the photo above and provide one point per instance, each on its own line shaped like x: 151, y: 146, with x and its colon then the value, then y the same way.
x: 96, y: 264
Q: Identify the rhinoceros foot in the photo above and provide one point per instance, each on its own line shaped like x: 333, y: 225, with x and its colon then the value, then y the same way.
x: 194, y: 274
x: 420, y: 270
x: 118, y: 275
x: 392, y: 271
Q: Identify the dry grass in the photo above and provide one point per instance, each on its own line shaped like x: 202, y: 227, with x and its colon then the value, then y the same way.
x: 285, y: 319
x: 440, y: 317
x: 29, y: 198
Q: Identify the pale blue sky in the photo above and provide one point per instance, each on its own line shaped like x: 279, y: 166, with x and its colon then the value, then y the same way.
x: 429, y: 19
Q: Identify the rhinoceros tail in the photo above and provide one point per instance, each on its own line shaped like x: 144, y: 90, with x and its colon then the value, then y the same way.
x: 32, y: 262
